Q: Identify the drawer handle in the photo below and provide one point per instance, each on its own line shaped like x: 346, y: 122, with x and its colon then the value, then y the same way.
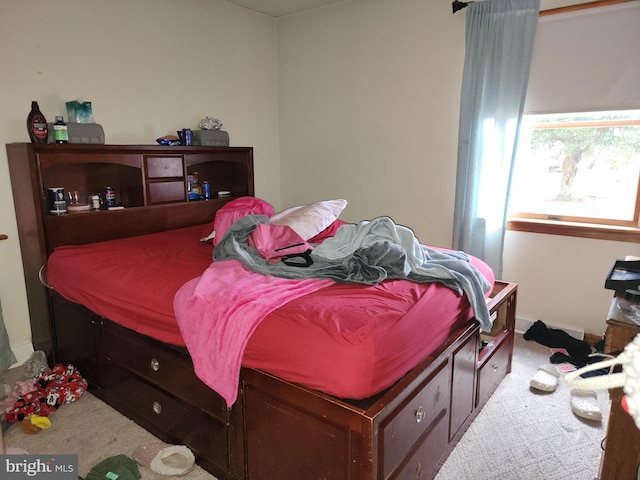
x: 157, y: 408
x: 419, y: 470
x: 495, y: 366
x: 155, y: 364
x: 419, y: 414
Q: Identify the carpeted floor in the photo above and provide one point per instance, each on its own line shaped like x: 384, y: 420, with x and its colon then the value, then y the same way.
x: 518, y: 435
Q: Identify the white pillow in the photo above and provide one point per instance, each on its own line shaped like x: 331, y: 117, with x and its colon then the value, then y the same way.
x: 309, y: 220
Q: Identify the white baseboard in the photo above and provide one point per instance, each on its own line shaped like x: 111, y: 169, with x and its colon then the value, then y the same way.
x: 523, y: 324
x: 22, y: 353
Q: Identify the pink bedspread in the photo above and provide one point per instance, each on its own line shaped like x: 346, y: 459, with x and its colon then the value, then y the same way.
x: 233, y: 300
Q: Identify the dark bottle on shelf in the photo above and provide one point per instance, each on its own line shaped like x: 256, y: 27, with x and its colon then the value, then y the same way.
x: 37, y: 125
x: 60, y: 132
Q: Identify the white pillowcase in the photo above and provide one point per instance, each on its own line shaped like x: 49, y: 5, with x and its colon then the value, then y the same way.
x: 309, y: 220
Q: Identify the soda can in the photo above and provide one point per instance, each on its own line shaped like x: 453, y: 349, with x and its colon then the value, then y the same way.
x: 109, y: 197
x: 206, y: 190
x: 187, y: 136
x: 56, y: 201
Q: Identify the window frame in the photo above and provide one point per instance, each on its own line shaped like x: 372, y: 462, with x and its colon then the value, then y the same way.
x: 622, y: 231
x: 576, y: 220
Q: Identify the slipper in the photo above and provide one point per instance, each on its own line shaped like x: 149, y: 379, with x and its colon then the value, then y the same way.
x: 165, y: 459
x: 584, y: 404
x: 545, y: 379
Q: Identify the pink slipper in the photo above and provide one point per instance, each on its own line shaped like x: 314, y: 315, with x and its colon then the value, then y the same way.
x: 165, y: 459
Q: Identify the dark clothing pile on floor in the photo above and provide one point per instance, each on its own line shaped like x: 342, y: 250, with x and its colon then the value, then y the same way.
x: 580, y: 353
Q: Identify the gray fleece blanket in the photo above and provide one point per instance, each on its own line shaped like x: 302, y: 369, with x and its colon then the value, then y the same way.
x: 366, y: 253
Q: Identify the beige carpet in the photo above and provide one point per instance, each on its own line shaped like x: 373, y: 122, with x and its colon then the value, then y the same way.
x: 92, y: 430
x: 518, y: 435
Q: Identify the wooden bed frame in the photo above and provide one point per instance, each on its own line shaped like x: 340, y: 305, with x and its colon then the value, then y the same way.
x: 276, y: 429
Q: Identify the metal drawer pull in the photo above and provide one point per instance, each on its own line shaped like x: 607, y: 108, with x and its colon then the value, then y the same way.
x: 157, y: 408
x: 419, y: 470
x: 42, y: 276
x: 155, y: 364
x: 495, y: 366
x: 419, y: 414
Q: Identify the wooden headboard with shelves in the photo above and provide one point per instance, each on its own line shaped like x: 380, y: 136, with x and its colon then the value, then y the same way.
x: 150, y: 182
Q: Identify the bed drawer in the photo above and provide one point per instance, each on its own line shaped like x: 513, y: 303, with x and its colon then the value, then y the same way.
x: 168, y: 417
x: 400, y: 431
x: 165, y: 368
x: 494, y: 369
x: 424, y: 460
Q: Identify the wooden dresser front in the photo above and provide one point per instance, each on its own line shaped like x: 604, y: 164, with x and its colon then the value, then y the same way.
x: 621, y: 456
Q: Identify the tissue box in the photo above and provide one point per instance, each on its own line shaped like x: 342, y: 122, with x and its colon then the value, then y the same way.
x: 79, y: 112
x: 215, y: 138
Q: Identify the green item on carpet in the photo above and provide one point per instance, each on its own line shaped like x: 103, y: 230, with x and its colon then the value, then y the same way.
x: 118, y: 467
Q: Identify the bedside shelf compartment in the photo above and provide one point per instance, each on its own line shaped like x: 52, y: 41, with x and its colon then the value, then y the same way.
x: 92, y: 178
x: 227, y: 175
x: 495, y: 348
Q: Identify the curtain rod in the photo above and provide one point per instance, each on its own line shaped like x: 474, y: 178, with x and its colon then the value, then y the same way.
x: 458, y: 5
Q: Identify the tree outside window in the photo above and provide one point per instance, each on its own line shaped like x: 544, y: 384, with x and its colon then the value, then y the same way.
x: 580, y: 167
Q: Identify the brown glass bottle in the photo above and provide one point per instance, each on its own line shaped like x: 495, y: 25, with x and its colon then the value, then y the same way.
x: 37, y: 125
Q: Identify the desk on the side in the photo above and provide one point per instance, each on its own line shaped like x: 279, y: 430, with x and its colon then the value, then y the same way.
x: 621, y: 456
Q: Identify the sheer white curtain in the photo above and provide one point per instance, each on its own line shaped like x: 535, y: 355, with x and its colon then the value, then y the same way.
x: 499, y: 45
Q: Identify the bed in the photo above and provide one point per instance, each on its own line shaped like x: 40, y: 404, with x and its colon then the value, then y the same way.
x: 344, y: 381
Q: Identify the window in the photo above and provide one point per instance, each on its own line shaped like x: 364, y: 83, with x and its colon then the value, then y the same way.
x: 584, y: 60
x: 580, y: 167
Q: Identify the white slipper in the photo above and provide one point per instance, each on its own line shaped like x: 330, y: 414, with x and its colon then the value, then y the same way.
x: 165, y: 459
x: 584, y: 404
x: 545, y: 379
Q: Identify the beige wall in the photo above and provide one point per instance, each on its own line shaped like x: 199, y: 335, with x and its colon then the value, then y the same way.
x: 561, y: 279
x: 369, y: 103
x: 150, y: 67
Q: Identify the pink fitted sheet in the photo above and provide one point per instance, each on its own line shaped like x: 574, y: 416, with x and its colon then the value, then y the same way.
x: 351, y: 341
x: 132, y: 281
